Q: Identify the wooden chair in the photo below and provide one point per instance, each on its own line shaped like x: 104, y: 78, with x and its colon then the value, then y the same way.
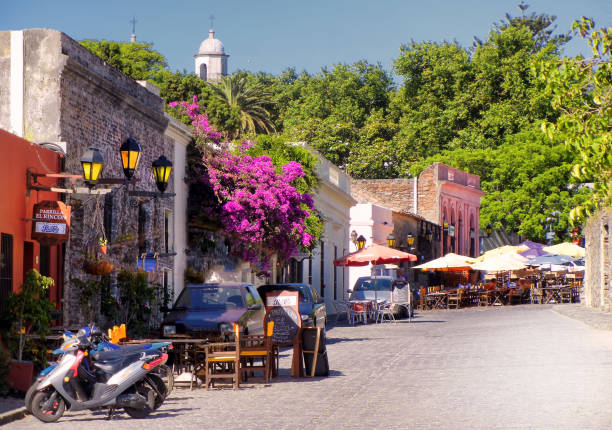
x: 515, y: 296
x: 256, y: 353
x: 566, y: 295
x: 454, y: 299
x: 484, y: 298
x: 537, y: 295
x: 423, y: 299
x: 222, y: 362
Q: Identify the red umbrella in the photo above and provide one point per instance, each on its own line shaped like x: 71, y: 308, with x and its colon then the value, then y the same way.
x: 374, y: 254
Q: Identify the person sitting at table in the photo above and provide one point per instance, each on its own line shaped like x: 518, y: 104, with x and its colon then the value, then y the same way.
x: 490, y: 286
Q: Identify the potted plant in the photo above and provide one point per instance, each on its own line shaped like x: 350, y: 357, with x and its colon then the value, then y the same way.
x: 95, y: 264
x: 30, y: 312
x: 102, y: 245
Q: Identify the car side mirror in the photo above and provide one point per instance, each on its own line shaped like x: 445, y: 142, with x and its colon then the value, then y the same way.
x: 349, y: 291
x: 255, y: 307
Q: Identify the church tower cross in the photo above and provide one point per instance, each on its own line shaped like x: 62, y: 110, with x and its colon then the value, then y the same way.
x: 133, y: 22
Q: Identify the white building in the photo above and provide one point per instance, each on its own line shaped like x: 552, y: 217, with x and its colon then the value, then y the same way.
x: 176, y: 227
x: 333, y: 201
x: 211, y: 59
x: 374, y: 223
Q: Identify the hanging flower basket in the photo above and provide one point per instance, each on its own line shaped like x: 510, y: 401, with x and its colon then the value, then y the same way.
x: 97, y: 267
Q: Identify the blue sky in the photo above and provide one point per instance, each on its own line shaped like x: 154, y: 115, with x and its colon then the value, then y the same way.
x: 271, y: 35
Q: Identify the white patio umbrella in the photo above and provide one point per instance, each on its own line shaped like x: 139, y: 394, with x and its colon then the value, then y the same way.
x: 449, y: 263
x: 502, y: 263
x: 565, y: 248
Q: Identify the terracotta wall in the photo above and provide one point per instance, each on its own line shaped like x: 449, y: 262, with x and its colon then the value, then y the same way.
x: 19, y: 156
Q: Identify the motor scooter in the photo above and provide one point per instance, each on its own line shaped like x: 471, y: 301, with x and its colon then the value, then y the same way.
x: 163, y: 377
x: 118, y: 379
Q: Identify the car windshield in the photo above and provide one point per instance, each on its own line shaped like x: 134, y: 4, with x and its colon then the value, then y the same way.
x: 213, y: 297
x: 370, y: 284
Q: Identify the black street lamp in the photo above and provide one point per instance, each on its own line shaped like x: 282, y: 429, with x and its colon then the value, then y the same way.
x: 92, y: 163
x: 130, y: 156
x: 161, y: 170
x: 391, y: 241
x: 361, y: 242
x: 410, y: 240
x: 429, y: 235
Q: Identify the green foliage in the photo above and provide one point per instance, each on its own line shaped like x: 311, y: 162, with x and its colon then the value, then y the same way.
x: 137, y: 300
x: 282, y: 153
x: 524, y: 180
x: 249, y: 101
x: 582, y: 90
x: 137, y: 60
x: 5, y: 363
x: 30, y: 311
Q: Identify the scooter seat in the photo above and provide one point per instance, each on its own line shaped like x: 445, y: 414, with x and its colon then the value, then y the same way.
x: 121, y: 352
x: 114, y: 364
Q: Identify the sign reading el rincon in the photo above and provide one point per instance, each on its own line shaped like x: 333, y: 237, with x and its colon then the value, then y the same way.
x: 51, y: 222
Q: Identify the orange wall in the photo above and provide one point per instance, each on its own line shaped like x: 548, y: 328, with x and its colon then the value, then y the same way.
x: 17, y: 156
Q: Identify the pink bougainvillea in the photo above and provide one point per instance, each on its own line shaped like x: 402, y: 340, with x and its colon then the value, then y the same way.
x: 260, y: 210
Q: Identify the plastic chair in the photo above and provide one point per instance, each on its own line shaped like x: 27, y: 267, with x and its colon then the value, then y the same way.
x: 384, y: 310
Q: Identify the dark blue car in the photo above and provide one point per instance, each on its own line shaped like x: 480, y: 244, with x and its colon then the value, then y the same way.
x: 208, y: 311
x: 312, y: 307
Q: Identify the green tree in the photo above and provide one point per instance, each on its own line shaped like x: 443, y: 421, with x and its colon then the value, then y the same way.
x: 137, y: 60
x: 581, y: 88
x: 250, y: 102
x: 524, y: 180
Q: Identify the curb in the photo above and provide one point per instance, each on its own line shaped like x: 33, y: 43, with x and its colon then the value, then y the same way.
x: 13, y: 415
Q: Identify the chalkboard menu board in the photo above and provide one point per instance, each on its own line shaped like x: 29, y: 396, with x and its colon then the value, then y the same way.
x: 282, y: 308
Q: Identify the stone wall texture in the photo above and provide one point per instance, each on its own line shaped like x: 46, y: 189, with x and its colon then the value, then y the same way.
x: 597, y: 286
x: 72, y: 96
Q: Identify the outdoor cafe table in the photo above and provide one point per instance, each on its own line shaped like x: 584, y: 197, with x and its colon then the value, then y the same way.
x: 552, y: 294
x: 437, y: 300
x: 183, y: 350
x: 498, y: 296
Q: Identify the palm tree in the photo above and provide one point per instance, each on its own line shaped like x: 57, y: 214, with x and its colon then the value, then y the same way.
x: 251, y: 100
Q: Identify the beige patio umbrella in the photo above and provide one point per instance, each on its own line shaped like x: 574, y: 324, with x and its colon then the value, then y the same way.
x: 449, y: 263
x: 502, y: 263
x: 505, y: 249
x: 566, y: 248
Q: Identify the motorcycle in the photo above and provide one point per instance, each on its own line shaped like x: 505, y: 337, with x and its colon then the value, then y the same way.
x: 117, y: 378
x: 100, y: 342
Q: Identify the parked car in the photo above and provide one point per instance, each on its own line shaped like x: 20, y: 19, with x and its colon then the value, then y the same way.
x: 383, y: 288
x: 312, y: 307
x: 208, y: 311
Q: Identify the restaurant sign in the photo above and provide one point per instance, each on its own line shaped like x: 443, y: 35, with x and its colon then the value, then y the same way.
x: 451, y: 230
x: 51, y: 222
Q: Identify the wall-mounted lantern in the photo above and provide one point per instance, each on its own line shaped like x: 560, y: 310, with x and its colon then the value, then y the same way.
x: 391, y: 241
x: 161, y: 170
x: 130, y: 156
x: 361, y: 242
x: 92, y: 163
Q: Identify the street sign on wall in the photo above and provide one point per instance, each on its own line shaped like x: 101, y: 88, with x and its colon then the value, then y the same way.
x: 51, y: 222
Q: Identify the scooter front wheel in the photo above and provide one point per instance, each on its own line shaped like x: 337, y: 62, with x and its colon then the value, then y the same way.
x: 48, y: 406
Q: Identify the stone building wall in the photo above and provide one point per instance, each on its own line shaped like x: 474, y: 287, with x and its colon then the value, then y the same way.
x: 597, y: 287
x: 71, y: 96
x: 428, y: 195
x: 395, y: 194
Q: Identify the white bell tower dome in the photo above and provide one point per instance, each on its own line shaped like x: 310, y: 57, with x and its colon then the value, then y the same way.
x: 211, y: 59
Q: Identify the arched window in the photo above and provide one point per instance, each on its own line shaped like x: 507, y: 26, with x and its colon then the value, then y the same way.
x: 203, y: 72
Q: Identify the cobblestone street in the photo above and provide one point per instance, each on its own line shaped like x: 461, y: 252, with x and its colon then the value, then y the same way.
x: 520, y: 367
